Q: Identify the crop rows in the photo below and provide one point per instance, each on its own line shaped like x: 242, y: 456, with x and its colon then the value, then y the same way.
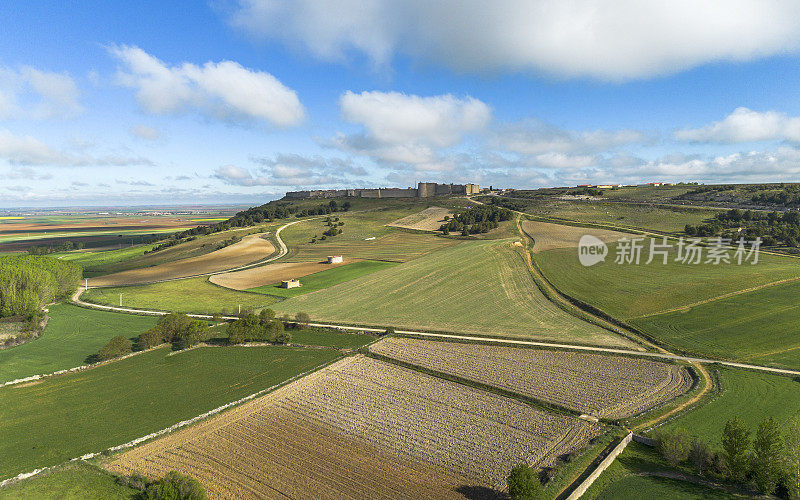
x: 599, y: 385
x: 459, y: 428
x: 361, y: 428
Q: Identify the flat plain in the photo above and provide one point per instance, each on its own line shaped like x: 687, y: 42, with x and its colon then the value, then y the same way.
x: 598, y: 385
x: 429, y: 219
x: 270, y: 274
x: 474, y: 287
x: 443, y: 436
x: 50, y: 421
x: 326, y: 278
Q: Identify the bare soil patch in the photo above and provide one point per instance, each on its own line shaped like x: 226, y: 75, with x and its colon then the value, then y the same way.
x: 251, y: 249
x: 271, y: 273
x: 429, y: 219
x: 547, y: 236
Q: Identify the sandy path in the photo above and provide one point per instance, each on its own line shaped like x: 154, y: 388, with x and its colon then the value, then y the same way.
x: 251, y: 249
x: 271, y: 273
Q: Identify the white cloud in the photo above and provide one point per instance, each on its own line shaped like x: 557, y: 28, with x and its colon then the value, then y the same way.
x: 224, y: 90
x: 395, y: 118
x: 30, y: 93
x: 409, y: 131
x: 745, y: 125
x: 145, y: 132
x: 534, y: 137
x: 294, y: 170
x: 605, y: 39
x: 231, y: 174
x: 28, y: 151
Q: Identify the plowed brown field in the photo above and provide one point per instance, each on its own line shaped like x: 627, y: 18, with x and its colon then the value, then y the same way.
x: 361, y: 428
x: 271, y: 273
x: 251, y: 249
x: 429, y: 219
x: 547, y: 236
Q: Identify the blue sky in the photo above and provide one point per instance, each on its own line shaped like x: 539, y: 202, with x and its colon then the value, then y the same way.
x: 238, y: 101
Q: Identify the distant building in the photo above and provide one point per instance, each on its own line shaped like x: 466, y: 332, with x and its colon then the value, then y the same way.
x: 605, y: 186
x: 423, y: 190
x: 290, y: 283
x: 335, y: 259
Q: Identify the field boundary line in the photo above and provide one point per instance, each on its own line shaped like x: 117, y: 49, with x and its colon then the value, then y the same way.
x: 719, y: 297
x: 170, y: 429
x: 602, y: 466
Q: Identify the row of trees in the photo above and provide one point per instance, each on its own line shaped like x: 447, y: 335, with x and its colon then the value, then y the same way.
x: 28, y: 282
x: 66, y: 246
x: 177, y: 329
x: 262, y: 327
x: 476, y: 220
x: 768, y: 460
x: 783, y: 195
x: 774, y: 228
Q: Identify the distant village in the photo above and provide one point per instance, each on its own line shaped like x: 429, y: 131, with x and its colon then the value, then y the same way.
x: 423, y: 190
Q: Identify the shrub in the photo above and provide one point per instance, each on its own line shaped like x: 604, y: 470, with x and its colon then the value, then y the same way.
x: 175, y: 486
x: 118, y: 346
x: 283, y: 338
x: 523, y: 483
x: 302, y: 319
x: 674, y: 445
x: 701, y: 456
x: 389, y: 331
x: 150, y: 338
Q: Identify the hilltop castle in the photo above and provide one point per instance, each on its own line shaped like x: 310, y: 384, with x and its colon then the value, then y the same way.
x: 423, y: 190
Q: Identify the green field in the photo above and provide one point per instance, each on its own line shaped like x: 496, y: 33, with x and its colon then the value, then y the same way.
x: 480, y: 287
x: 626, y: 479
x: 191, y: 295
x: 748, y: 395
x: 72, y: 334
x: 94, y: 263
x: 758, y: 327
x: 325, y: 279
x: 388, y: 244
x: 54, y: 420
x: 621, y: 215
x: 76, y: 481
x: 330, y: 338
x: 634, y: 293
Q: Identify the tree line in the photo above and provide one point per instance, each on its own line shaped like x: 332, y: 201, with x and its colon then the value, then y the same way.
x: 177, y: 329
x: 28, y: 282
x: 476, y: 220
x: 66, y: 246
x: 774, y: 228
x: 767, y: 459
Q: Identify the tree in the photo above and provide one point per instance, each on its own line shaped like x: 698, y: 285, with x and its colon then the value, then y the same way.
x: 173, y: 325
x: 700, y: 455
x: 674, y: 445
x: 736, y: 446
x: 302, y: 319
x: 389, y: 331
x: 523, y: 483
x: 175, y: 486
x: 768, y: 455
x: 283, y: 337
x: 266, y: 316
x: 792, y: 459
x: 150, y: 338
x: 118, y: 346
x: 195, y: 332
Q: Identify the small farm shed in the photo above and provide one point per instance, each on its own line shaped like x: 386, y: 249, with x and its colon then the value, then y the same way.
x: 290, y: 283
x: 334, y: 259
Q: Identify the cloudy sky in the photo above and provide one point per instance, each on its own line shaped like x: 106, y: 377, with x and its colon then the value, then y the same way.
x: 131, y: 103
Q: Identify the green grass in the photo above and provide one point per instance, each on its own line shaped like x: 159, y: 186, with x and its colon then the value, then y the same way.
x: 634, y: 216
x: 325, y: 279
x: 480, y: 287
x: 330, y: 338
x: 72, y: 334
x: 59, y: 418
x: 748, y: 395
x: 624, y: 479
x: 76, y: 481
x: 94, y: 263
x: 192, y: 295
x: 730, y: 328
x: 388, y: 244
x: 759, y: 326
